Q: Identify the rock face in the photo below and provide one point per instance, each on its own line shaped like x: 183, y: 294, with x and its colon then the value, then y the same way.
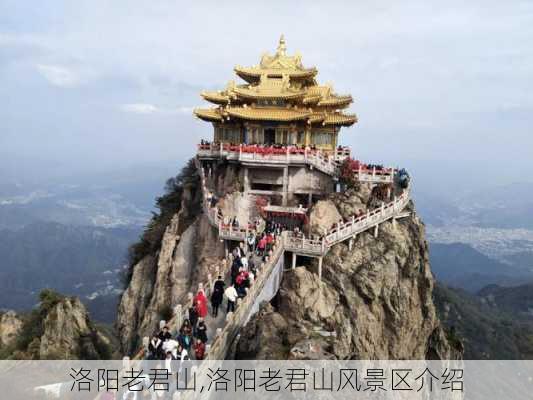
x: 236, y: 205
x: 374, y: 301
x: 69, y: 334
x: 189, y: 251
x: 10, y: 325
x: 323, y: 215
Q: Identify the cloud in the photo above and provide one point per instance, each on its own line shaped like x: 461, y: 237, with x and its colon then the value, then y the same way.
x: 139, y: 108
x: 185, y: 110
x: 58, y: 75
x: 146, y: 108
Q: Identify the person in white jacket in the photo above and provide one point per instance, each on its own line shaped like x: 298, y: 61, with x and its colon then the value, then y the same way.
x: 231, y: 294
x: 244, y: 262
x: 172, y: 347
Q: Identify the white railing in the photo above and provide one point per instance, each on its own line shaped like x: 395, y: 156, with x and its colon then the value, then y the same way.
x: 347, y: 229
x: 372, y: 218
x: 303, y: 245
x: 329, y: 164
x: 286, y: 155
x: 374, y: 175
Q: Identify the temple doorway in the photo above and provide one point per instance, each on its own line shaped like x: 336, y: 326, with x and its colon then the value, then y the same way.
x: 270, y: 136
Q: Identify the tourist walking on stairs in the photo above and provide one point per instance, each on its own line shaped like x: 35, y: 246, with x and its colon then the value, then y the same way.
x: 231, y: 294
x: 201, y: 332
x: 164, y: 335
x: 199, y: 350
x: 218, y: 295
x: 155, y: 348
x: 200, y: 303
x: 251, y: 242
x: 193, y: 317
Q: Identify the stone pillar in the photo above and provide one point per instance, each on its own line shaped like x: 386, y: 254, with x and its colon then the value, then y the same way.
x: 226, y: 250
x: 293, y: 260
x: 376, y: 231
x: 320, y: 267
x: 310, y: 200
x: 285, y: 186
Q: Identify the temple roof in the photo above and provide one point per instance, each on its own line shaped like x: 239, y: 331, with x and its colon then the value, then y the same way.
x: 276, y: 93
x: 276, y: 66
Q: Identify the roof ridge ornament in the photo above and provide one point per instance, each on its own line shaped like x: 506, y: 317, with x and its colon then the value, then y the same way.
x: 282, y: 47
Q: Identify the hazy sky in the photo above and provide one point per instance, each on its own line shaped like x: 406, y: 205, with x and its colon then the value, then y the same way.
x: 94, y: 84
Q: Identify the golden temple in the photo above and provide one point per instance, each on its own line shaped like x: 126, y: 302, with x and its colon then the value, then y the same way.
x: 280, y: 103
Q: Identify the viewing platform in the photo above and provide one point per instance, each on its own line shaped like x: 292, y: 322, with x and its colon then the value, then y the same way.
x: 328, y: 163
x: 270, y: 155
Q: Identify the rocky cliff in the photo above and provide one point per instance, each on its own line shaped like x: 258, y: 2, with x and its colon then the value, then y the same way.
x: 188, y: 250
x: 59, y: 329
x: 68, y: 333
x: 373, y: 302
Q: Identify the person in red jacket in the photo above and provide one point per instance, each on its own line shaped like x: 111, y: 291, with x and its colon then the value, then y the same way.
x: 269, y: 241
x: 261, y: 246
x: 200, y: 302
x: 199, y: 350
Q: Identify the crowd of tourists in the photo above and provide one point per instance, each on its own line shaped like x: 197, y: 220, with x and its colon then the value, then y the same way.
x: 191, y: 338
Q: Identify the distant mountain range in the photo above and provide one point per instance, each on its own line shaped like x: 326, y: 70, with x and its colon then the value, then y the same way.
x: 495, y: 329
x: 459, y: 265
x: 517, y: 299
x: 74, y: 260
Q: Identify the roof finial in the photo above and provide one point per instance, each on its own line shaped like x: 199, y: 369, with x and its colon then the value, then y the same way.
x: 282, y: 48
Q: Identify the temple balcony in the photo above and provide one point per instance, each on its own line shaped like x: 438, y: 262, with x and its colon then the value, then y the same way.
x: 275, y: 156
x: 264, y: 156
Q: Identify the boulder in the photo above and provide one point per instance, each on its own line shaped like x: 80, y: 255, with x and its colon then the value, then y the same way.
x: 323, y: 215
x: 10, y: 325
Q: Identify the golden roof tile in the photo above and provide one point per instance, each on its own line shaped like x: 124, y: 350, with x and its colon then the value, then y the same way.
x: 340, y: 119
x: 336, y: 101
x: 268, y: 114
x: 216, y: 97
x: 208, y: 114
x: 270, y: 88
